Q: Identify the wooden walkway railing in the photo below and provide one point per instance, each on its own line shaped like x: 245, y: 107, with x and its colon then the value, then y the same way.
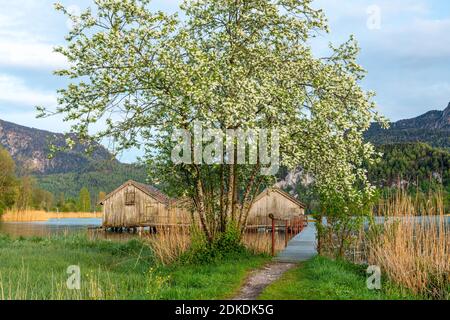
x: 290, y: 227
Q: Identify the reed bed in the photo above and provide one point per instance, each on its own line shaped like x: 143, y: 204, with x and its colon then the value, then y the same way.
x: 35, y: 215
x: 169, y: 244
x: 410, y: 241
x: 261, y: 242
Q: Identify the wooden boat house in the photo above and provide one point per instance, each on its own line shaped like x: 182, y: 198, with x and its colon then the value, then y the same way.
x: 276, y: 202
x: 134, y: 205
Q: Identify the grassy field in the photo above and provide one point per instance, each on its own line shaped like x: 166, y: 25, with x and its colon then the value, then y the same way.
x: 36, y: 268
x: 324, y: 279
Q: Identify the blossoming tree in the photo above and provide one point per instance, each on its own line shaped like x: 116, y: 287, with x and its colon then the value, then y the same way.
x: 229, y: 64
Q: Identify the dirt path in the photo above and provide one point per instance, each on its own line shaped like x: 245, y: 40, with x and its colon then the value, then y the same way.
x: 261, y: 278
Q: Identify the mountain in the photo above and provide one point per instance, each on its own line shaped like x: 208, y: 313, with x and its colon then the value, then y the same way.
x: 432, y: 127
x: 30, y: 149
x: 68, y: 171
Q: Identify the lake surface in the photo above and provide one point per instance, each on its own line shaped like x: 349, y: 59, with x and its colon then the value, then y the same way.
x: 48, y: 228
x: 60, y: 227
x: 65, y: 226
x: 424, y: 220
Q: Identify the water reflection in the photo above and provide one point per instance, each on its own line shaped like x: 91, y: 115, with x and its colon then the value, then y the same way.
x: 260, y: 241
x: 47, y: 228
x: 67, y: 226
x: 62, y: 227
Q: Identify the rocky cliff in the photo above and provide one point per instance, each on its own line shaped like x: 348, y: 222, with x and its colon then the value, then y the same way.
x: 30, y: 148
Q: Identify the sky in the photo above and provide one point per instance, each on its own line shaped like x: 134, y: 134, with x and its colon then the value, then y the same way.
x: 405, y: 48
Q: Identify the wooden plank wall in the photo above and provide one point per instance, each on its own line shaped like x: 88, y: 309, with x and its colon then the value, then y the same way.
x: 146, y: 211
x: 276, y: 204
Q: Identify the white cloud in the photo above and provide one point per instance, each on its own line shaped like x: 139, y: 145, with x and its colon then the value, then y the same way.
x: 422, y: 39
x: 26, y: 36
x: 14, y: 90
x: 30, y: 55
x: 406, y: 59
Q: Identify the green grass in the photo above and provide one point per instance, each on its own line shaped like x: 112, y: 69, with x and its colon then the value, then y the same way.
x: 35, y: 268
x: 325, y: 279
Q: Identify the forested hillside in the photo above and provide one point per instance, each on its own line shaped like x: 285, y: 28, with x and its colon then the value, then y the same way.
x: 411, y: 164
x: 106, y: 178
x: 41, y: 181
x: 53, y: 183
x: 417, y: 167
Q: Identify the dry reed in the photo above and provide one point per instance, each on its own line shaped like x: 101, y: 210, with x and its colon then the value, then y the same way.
x: 412, y: 250
x: 169, y: 244
x: 261, y: 242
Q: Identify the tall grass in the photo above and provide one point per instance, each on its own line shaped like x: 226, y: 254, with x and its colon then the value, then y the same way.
x: 36, y: 268
x: 94, y: 287
x: 412, y: 250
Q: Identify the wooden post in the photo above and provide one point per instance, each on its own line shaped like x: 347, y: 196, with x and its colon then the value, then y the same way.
x: 273, y: 235
x: 289, y: 225
x: 286, y: 234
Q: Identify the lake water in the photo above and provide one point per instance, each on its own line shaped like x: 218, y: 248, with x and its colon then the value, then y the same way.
x: 425, y: 220
x: 61, y: 226
x: 64, y: 226
x: 47, y: 228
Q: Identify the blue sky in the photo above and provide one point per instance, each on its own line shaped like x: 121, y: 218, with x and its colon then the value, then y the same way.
x: 407, y: 55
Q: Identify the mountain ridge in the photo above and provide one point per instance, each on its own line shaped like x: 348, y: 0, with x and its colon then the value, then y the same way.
x: 30, y: 149
x: 432, y: 127
x: 433, y: 119
x: 68, y: 171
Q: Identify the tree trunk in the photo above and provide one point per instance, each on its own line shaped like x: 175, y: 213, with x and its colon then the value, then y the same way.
x: 201, y: 207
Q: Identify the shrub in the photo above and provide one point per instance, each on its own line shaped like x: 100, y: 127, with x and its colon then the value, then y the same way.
x: 226, y: 244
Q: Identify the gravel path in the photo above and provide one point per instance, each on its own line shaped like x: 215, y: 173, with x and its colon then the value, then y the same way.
x: 301, y: 248
x: 260, y: 279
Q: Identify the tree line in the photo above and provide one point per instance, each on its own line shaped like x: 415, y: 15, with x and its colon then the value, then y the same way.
x: 24, y: 193
x: 413, y: 164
